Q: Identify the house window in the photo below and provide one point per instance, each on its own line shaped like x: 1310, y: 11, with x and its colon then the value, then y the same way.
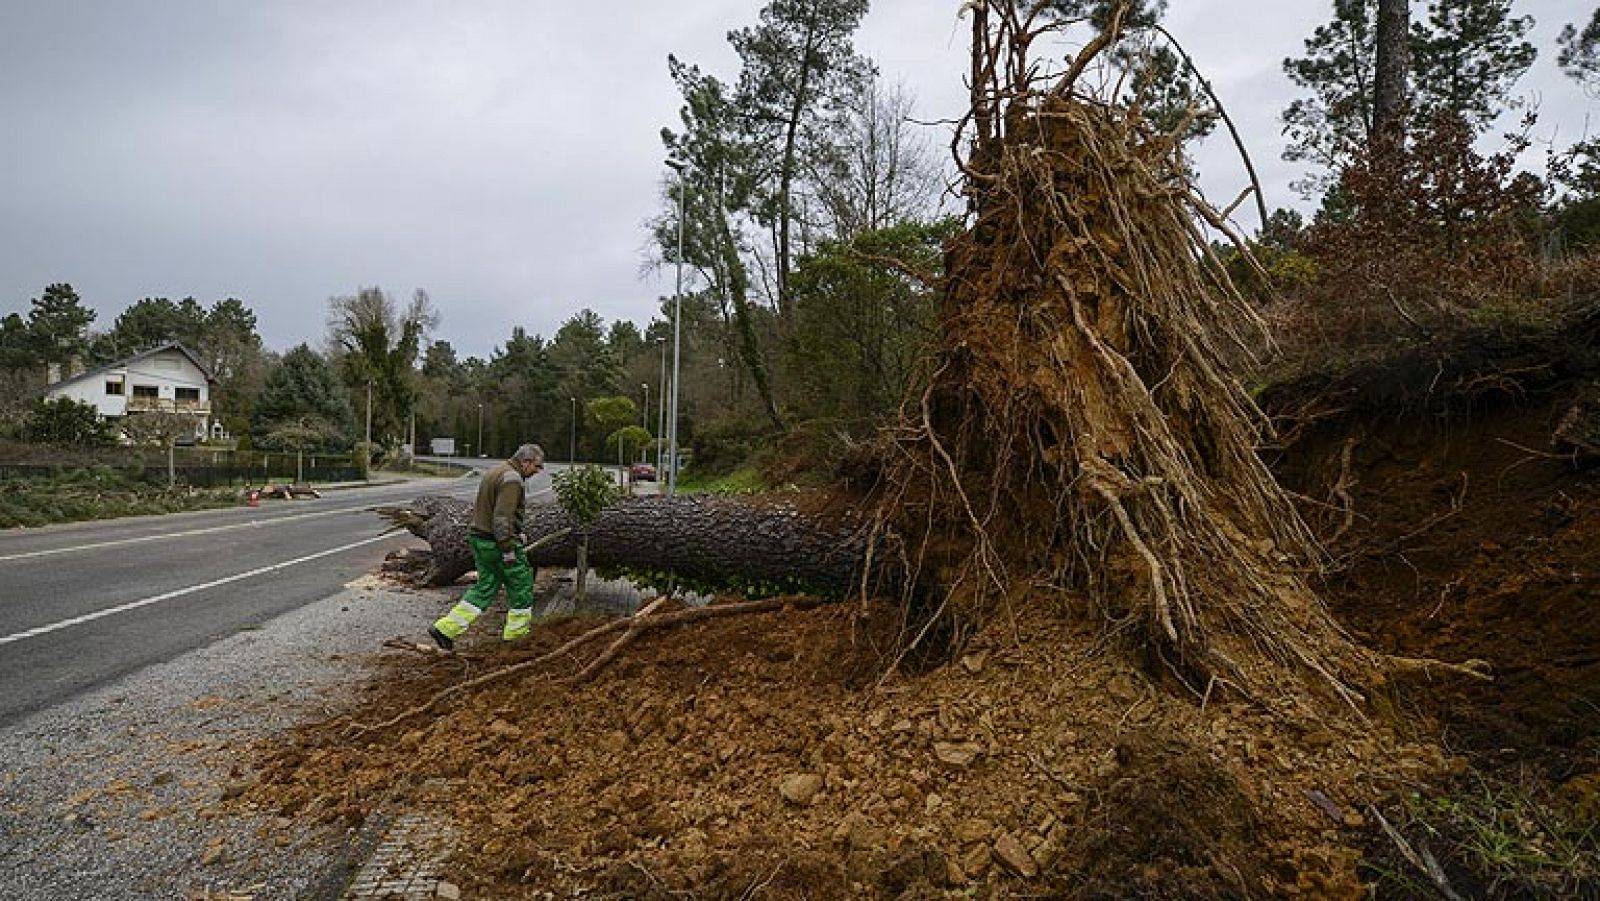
x: 191, y: 394
x: 150, y: 391
x: 114, y: 388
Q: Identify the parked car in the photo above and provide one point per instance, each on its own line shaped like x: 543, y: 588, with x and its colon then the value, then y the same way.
x: 642, y: 472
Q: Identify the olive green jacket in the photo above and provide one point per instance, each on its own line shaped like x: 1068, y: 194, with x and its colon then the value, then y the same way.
x: 497, y: 512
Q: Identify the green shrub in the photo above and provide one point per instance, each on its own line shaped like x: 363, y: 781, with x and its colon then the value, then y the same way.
x: 722, y: 447
x: 66, y: 421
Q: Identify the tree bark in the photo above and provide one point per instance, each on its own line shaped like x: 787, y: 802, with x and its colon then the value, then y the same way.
x: 702, y: 538
x: 1389, y: 78
x: 749, y: 347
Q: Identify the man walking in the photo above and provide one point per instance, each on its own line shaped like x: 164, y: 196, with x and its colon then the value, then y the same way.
x: 496, y: 540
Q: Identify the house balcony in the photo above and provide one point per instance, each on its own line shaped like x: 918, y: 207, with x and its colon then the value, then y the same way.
x: 168, y: 405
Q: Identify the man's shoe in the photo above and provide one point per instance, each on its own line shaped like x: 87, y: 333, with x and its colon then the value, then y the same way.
x: 442, y: 640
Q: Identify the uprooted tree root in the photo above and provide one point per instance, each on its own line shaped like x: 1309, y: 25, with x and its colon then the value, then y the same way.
x: 1084, y: 425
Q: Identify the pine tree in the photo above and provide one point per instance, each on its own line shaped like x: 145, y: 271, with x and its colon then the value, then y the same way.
x: 799, y: 70
x: 1467, y: 57
x: 304, y: 388
x: 1463, y: 62
x: 1580, y: 52
x: 58, y: 326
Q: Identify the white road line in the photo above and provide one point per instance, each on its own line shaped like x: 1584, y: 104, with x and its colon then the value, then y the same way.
x: 118, y: 542
x: 134, y: 605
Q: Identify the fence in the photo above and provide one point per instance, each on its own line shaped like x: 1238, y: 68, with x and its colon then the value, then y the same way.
x: 198, y: 467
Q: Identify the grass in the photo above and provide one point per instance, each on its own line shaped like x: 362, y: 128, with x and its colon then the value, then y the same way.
x: 745, y: 480
x: 74, y: 494
x: 1500, y: 838
x: 437, y: 470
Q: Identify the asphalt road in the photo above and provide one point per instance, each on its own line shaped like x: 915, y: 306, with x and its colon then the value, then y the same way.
x: 84, y: 604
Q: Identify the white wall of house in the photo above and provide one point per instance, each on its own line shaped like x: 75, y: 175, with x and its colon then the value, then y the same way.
x: 168, y: 380
x: 93, y: 391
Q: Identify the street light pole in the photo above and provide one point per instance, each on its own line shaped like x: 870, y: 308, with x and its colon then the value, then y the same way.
x: 661, y: 408
x: 481, y: 451
x: 644, y: 414
x: 677, y: 329
x: 572, y: 452
x: 366, y: 446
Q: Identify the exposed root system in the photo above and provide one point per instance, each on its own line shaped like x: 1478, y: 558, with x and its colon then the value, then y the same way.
x: 1084, y: 426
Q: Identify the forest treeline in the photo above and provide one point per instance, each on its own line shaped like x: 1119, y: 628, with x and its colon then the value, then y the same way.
x: 809, y: 213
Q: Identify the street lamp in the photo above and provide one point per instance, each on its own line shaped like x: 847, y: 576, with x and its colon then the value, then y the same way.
x: 644, y: 414
x: 366, y: 445
x: 677, y: 327
x: 572, y: 452
x: 661, y: 408
x: 481, y: 452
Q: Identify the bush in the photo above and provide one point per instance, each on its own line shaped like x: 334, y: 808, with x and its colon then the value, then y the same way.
x: 1408, y: 252
x: 66, y: 421
x: 583, y: 491
x: 724, y: 446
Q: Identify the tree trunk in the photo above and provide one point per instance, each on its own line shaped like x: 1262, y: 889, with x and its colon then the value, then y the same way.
x: 1389, y: 78
x: 580, y: 591
x: 698, y: 538
x: 749, y: 346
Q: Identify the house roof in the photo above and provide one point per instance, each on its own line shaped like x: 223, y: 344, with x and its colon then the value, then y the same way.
x: 170, y: 345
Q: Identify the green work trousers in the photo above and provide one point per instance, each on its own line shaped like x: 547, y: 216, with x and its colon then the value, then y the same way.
x: 492, y: 573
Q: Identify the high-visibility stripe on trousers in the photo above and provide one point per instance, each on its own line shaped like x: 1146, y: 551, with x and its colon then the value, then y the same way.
x: 457, y: 621
x: 518, y: 624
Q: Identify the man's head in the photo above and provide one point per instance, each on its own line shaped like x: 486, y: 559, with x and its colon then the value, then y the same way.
x: 528, y: 459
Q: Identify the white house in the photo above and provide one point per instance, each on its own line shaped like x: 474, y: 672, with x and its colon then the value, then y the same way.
x: 168, y: 378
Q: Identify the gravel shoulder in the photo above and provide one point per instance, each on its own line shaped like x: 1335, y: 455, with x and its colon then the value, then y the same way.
x: 112, y: 795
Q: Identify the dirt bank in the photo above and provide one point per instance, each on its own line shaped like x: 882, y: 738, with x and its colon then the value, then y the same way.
x: 1462, y: 530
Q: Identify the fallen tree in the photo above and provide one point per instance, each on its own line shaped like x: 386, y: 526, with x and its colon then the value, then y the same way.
x: 1083, y: 438
x: 707, y: 539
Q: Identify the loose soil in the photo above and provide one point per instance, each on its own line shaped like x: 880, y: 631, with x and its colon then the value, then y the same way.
x: 761, y: 756
x: 770, y: 755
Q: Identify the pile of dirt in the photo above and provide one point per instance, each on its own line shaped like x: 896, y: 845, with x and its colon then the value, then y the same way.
x: 767, y: 755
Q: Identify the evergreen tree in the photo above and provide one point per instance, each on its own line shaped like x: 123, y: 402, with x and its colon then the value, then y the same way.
x: 1580, y: 52
x: 16, y: 350
x: 1467, y: 57
x: 1162, y: 84
x: 227, y: 339
x: 1577, y: 169
x: 305, y: 387
x: 520, y: 394
x: 58, y: 326
x: 624, y: 341
x: 716, y: 179
x: 799, y: 71
x: 154, y: 321
x: 1331, y: 126
x: 584, y: 362
x: 1464, y: 61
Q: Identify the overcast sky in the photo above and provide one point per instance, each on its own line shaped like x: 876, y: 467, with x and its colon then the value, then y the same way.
x: 501, y: 154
